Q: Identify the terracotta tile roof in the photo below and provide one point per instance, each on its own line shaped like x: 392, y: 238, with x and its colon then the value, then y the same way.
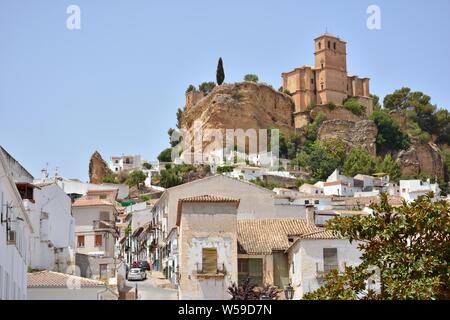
x: 324, y: 234
x: 50, y: 279
x: 101, y: 191
x: 208, y: 198
x: 262, y: 236
x: 353, y: 201
x: 91, y: 202
x: 203, y: 199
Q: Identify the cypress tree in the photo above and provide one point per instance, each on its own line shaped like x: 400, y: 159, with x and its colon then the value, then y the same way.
x: 220, y: 74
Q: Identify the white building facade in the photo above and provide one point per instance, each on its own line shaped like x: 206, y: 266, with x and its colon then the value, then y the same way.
x: 15, y: 230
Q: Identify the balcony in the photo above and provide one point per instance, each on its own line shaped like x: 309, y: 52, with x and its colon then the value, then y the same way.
x: 321, y: 273
x: 218, y: 272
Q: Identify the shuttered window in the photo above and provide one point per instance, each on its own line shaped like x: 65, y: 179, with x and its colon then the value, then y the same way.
x: 80, y: 241
x: 209, y: 260
x: 330, y: 261
x: 98, y: 240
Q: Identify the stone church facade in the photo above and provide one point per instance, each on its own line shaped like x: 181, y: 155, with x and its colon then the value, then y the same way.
x: 327, y: 81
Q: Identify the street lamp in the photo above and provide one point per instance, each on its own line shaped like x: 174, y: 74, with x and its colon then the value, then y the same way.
x: 289, y: 292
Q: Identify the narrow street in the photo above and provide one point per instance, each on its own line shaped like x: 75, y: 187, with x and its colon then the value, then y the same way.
x: 151, y: 288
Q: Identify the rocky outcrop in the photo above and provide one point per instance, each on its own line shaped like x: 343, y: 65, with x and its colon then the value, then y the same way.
x: 421, y: 158
x: 360, y: 134
x: 336, y: 113
x: 98, y: 168
x: 244, y: 106
x: 401, y: 118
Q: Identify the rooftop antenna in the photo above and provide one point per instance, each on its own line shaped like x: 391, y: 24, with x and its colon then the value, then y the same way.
x: 45, y: 171
x: 56, y: 171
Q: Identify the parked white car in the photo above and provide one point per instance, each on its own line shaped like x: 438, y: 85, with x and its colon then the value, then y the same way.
x: 137, y: 274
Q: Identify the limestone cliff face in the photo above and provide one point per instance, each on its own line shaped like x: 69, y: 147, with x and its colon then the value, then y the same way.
x: 360, y: 134
x: 244, y: 106
x: 421, y: 159
x: 98, y: 168
x: 337, y: 113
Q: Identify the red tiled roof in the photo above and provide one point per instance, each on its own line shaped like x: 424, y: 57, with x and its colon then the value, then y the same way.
x: 50, y: 279
x: 208, y: 198
x: 262, y: 236
x: 204, y: 199
x: 92, y: 202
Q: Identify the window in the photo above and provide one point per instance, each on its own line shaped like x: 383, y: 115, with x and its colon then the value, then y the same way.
x: 98, y: 240
x: 320, y: 45
x: 321, y: 86
x: 329, y: 44
x: 104, y: 215
x: 80, y: 241
x: 312, y: 81
x: 103, y: 196
x: 316, y: 201
x: 330, y: 261
x: 103, y: 271
x: 306, y: 201
x: 334, y: 45
x: 209, y: 260
x: 250, y: 268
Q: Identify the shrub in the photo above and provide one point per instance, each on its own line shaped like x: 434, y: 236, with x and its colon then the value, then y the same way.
x: 354, y: 106
x: 147, y: 165
x: 225, y: 168
x: 236, y: 95
x: 251, y: 78
x: 424, y: 137
x: 191, y: 88
x: 331, y: 105
x: 165, y: 155
x: 112, y: 178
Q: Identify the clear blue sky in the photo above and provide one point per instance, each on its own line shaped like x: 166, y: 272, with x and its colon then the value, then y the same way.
x: 115, y: 84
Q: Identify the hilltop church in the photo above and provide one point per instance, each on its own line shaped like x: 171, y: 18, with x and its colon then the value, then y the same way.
x: 326, y: 82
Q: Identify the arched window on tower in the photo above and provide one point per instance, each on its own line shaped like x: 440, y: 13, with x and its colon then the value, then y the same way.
x: 320, y: 45
x: 329, y: 44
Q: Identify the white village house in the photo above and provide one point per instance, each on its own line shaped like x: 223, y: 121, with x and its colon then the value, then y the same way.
x: 52, y: 243
x: 15, y: 230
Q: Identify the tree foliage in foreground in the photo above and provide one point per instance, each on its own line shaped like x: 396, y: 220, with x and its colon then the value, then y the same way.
x: 409, y: 245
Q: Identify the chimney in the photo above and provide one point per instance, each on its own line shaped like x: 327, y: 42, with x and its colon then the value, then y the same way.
x: 310, y: 215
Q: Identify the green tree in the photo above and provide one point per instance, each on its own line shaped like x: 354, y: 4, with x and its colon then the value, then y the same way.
x: 206, y: 87
x: 169, y: 178
x: 358, y: 161
x: 443, y: 126
x: 135, y: 178
x: 251, y: 77
x: 191, y: 88
x: 408, y: 245
x: 147, y: 165
x: 390, y: 137
x: 417, y: 104
x: 313, y: 128
x: 179, y: 117
x: 165, y: 155
x: 220, y: 74
x: 112, y: 178
x: 389, y: 166
x: 322, y: 157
